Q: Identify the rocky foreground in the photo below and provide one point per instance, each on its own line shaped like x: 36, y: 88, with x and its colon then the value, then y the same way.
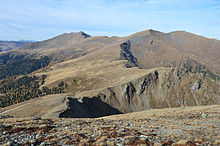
x: 174, y: 126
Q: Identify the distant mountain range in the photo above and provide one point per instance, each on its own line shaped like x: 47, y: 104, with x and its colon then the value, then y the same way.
x: 145, y: 70
x: 10, y: 45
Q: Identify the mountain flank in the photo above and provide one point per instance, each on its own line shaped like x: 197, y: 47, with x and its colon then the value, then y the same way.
x: 146, y: 70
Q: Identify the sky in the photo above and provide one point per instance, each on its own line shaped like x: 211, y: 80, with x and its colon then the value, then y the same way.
x: 42, y: 19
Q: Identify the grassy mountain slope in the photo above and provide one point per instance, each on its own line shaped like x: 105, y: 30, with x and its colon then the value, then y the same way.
x: 184, y: 69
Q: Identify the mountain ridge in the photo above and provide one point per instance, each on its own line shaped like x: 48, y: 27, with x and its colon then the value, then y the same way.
x: 173, y: 41
x: 171, y: 69
x: 10, y: 45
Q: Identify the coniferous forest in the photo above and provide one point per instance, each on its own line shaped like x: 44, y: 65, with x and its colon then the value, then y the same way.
x: 20, y: 65
x: 22, y: 88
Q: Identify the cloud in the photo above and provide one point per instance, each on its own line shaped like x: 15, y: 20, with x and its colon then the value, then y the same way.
x: 49, y: 17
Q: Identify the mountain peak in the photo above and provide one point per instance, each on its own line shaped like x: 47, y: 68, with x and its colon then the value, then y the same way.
x: 81, y: 33
x: 152, y: 31
x: 149, y: 32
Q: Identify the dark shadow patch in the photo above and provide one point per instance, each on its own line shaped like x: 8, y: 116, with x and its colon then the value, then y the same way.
x: 88, y: 108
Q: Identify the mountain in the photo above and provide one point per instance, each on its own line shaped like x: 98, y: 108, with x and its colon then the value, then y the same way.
x: 10, y: 45
x: 154, y: 49
x: 98, y: 75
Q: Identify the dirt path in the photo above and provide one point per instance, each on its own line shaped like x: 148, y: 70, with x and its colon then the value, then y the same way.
x: 102, y: 78
x: 13, y: 108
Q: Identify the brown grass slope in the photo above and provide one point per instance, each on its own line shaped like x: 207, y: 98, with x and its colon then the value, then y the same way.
x: 150, y: 48
x: 67, y: 46
x: 95, y: 67
x: 154, y: 49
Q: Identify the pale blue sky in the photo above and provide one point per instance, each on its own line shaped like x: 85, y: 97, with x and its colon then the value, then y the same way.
x: 43, y: 19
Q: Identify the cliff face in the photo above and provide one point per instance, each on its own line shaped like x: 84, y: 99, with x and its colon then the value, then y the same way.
x: 162, y: 88
x: 126, y: 53
x: 162, y: 70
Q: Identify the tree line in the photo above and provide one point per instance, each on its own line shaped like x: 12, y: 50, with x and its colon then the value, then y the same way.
x: 22, y: 88
x: 21, y: 66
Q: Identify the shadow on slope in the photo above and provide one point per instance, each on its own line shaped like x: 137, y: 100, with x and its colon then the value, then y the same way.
x: 88, y: 108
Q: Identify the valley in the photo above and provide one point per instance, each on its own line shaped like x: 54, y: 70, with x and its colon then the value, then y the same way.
x: 146, y: 88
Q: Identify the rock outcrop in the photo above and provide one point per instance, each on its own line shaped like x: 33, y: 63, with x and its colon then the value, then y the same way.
x: 162, y: 70
x: 162, y: 88
x: 126, y: 54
